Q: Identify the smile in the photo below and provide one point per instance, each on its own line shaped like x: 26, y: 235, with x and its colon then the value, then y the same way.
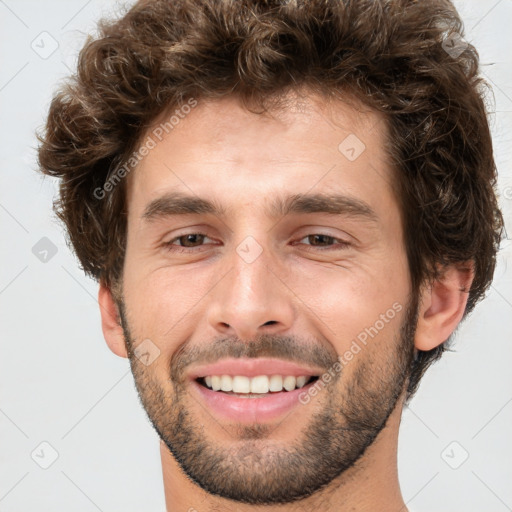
x: 254, y: 386
x: 251, y: 390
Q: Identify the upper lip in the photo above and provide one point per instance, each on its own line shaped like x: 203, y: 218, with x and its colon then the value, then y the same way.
x: 251, y: 367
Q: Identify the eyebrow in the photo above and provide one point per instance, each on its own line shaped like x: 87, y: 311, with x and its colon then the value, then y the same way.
x: 176, y: 203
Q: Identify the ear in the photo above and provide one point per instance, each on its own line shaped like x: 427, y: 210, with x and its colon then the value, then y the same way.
x: 442, y: 306
x: 111, y: 322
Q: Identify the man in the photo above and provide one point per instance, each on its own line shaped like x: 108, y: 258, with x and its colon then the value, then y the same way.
x: 289, y: 207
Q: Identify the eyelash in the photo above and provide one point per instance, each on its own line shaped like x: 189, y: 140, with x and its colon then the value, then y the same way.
x: 178, y: 249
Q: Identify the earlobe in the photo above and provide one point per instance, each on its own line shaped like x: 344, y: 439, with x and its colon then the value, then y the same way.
x: 111, y: 322
x: 442, y: 306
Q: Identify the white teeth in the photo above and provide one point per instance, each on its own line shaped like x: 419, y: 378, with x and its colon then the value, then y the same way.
x: 261, y: 384
x: 226, y: 383
x: 276, y: 383
x: 215, y: 382
x: 301, y: 381
x: 289, y: 383
x: 241, y: 384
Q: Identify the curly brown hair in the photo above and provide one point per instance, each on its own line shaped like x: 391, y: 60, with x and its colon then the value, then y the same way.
x: 389, y: 54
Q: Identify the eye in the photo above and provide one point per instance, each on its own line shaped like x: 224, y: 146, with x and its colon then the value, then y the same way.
x: 188, y: 242
x: 319, y: 241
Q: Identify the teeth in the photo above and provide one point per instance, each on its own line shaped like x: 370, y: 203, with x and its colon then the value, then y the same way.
x: 289, y: 383
x: 261, y: 384
x: 276, y: 383
x: 215, y: 382
x: 301, y: 381
x: 241, y: 384
x: 226, y: 383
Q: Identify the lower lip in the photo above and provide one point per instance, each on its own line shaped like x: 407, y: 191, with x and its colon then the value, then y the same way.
x: 269, y: 407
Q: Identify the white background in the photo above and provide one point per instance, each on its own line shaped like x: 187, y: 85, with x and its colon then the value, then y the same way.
x: 61, y: 384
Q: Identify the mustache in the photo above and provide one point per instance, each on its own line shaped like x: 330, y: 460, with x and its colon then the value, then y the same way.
x: 289, y: 348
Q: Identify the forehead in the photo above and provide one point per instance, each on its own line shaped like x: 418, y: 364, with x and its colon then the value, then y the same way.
x: 221, y: 149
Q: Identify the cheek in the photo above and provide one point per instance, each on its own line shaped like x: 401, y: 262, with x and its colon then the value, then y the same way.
x: 161, y: 303
x: 363, y: 303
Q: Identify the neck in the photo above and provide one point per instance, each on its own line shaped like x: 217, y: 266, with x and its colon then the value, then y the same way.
x: 371, y: 484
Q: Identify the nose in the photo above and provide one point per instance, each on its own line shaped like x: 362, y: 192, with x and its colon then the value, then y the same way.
x: 252, y: 299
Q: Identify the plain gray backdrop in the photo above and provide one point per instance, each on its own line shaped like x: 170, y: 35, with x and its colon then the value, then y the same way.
x: 69, y: 405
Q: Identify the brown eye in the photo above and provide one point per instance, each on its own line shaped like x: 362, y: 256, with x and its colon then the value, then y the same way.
x: 321, y: 241
x: 187, y: 241
x: 190, y: 240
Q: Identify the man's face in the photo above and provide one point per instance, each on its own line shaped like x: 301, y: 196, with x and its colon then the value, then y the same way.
x: 257, y: 291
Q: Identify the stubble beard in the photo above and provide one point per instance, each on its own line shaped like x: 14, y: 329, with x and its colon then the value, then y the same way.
x: 258, y: 470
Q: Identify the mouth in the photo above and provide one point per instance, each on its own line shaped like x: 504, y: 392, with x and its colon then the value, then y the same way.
x: 254, y: 387
x: 251, y: 391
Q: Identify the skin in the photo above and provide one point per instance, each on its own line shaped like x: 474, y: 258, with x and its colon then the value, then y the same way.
x: 184, y: 300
